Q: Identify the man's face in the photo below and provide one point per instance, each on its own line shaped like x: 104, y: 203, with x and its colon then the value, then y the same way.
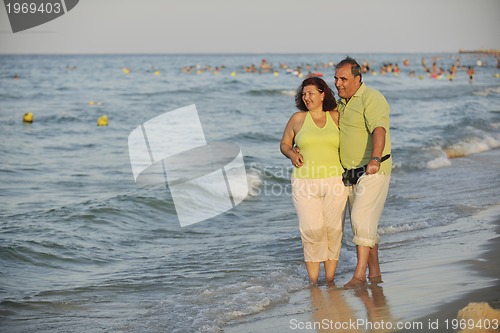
x: 345, y: 82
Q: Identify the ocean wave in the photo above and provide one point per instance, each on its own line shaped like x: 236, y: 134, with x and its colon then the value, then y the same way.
x: 277, y: 174
x: 209, y: 309
x: 256, y: 137
x: 439, y: 162
x: 288, y: 92
x: 440, y: 154
x: 64, y: 117
x: 471, y: 146
x: 394, y: 229
x: 254, y: 178
x: 271, y: 92
x: 487, y: 92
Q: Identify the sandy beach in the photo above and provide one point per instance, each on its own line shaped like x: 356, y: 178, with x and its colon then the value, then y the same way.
x: 422, y: 290
x: 418, y: 294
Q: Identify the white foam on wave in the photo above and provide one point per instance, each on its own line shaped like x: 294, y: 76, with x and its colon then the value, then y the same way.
x: 471, y: 146
x: 211, y: 309
x: 224, y: 303
x: 347, y: 261
x: 288, y: 92
x: 254, y: 179
x: 439, y: 162
x: 466, y: 147
x: 394, y: 229
x: 487, y: 92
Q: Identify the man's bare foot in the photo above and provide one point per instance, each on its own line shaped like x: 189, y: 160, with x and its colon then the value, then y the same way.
x: 355, y: 283
x: 375, y: 279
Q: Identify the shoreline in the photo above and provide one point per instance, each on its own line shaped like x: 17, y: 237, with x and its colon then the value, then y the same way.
x: 425, y: 293
x: 486, y: 265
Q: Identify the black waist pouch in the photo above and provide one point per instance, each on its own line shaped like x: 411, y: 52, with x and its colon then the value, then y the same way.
x: 350, y: 177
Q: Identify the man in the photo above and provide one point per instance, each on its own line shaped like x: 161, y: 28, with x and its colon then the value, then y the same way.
x: 364, y: 141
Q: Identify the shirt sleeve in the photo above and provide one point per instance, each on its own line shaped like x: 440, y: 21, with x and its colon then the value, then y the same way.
x: 376, y: 111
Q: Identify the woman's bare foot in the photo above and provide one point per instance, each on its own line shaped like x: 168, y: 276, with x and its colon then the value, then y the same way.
x: 313, y: 284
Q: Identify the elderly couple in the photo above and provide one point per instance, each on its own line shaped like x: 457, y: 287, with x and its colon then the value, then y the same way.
x: 340, y: 153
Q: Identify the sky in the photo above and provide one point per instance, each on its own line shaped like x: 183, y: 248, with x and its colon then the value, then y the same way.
x: 261, y: 26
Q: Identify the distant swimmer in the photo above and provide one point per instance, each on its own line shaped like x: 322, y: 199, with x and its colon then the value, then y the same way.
x: 314, y: 74
x: 15, y: 77
x: 264, y: 66
x: 365, y: 68
x: 471, y: 72
x: 453, y: 71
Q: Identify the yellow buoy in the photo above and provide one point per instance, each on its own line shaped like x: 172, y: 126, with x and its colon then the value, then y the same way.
x: 497, y: 75
x: 28, y: 117
x: 157, y: 73
x: 420, y: 77
x: 126, y: 70
x: 233, y: 73
x: 276, y: 73
x: 102, y: 121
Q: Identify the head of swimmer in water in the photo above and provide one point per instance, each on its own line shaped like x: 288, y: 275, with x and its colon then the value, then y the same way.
x: 321, y: 87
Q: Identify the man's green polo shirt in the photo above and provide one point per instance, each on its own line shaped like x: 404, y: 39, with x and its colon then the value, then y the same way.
x: 365, y: 111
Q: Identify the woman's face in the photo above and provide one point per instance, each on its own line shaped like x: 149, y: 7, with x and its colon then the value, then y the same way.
x: 312, y: 97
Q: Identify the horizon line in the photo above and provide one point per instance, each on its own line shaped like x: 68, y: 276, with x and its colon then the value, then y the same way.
x: 460, y: 51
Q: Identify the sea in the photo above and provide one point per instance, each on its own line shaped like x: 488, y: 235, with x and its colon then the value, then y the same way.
x: 84, y: 248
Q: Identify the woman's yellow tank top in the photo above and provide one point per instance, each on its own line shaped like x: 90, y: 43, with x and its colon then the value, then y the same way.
x: 320, y: 149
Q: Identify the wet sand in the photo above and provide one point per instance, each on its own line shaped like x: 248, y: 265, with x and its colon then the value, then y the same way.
x: 488, y: 264
x: 422, y: 292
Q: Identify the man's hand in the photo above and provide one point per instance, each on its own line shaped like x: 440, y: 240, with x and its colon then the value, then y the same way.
x: 372, y: 167
x: 296, y: 158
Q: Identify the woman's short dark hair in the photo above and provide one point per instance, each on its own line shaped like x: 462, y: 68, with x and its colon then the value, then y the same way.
x: 329, y: 102
x: 355, y: 67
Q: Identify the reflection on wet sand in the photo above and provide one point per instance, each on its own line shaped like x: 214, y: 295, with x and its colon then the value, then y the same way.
x: 339, y: 310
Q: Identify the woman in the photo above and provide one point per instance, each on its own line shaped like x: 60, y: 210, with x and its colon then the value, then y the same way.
x: 318, y: 194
